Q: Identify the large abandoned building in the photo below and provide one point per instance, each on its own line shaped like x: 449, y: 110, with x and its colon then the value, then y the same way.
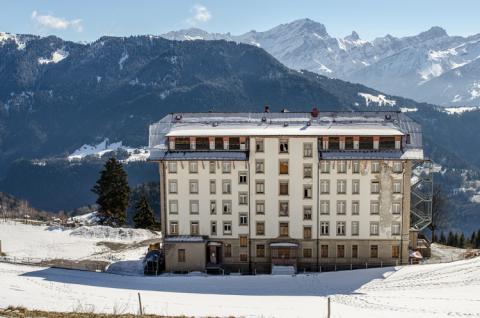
x: 248, y: 191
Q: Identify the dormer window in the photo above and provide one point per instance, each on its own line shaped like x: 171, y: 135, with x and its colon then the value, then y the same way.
x: 283, y: 146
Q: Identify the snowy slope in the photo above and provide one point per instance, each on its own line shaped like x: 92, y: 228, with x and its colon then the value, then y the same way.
x: 442, y: 290
x: 418, y: 66
x: 104, y: 147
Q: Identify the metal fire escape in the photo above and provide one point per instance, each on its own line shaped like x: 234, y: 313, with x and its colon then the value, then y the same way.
x: 421, y: 195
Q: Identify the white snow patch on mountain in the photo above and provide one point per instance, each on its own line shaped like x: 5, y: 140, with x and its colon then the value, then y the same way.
x: 122, y: 60
x: 459, y: 110
x: 100, y: 149
x: 475, y: 91
x: 56, y: 57
x: 193, y: 38
x: 379, y: 100
x: 4, y: 37
x: 408, y: 110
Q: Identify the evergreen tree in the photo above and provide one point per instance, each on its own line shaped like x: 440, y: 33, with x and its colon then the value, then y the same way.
x: 461, y: 241
x: 477, y: 240
x: 443, y: 240
x: 472, y: 239
x: 113, y: 193
x: 455, y: 239
x: 450, y: 239
x: 143, y: 218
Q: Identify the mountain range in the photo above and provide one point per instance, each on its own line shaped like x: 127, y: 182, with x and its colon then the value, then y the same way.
x: 431, y: 67
x: 57, y: 95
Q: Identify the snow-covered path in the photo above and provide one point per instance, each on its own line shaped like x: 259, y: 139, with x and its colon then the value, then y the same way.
x: 439, y: 290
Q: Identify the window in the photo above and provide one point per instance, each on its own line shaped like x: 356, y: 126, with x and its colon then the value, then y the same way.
x: 172, y: 167
x: 325, y: 166
x: 283, y: 187
x: 202, y: 143
x: 283, y: 208
x: 194, y: 207
x: 396, y: 229
x: 365, y: 143
x: 213, y: 228
x: 355, y: 207
x: 340, y: 251
x: 324, y: 207
x: 213, y: 207
x: 397, y: 187
x: 307, y: 171
x: 341, y: 228
x: 193, y: 185
x: 234, y: 143
x: 173, y: 206
x: 218, y: 143
x: 283, y: 229
x: 260, y: 207
x: 172, y: 186
x: 260, y: 250
x: 259, y: 145
x: 355, y: 228
x: 243, y: 257
x: 348, y: 143
x: 243, y: 219
x: 242, y: 177
x: 341, y: 186
x: 228, y: 250
x: 259, y: 187
x: 307, y: 253
x: 375, y: 166
x: 374, y: 231
x: 324, y: 251
x: 396, y: 209
x: 181, y: 256
x: 354, y: 251
x: 227, y: 228
x: 324, y: 186
x: 226, y: 167
x: 307, y: 191
x: 213, y: 186
x: 227, y: 207
x: 283, y: 146
x: 307, y: 232
x: 194, y: 228
x: 192, y: 166
x: 283, y: 166
x: 342, y: 166
x: 355, y: 186
x: 259, y: 166
x: 173, y: 227
x: 355, y: 166
x: 374, y: 251
x: 397, y: 167
x: 243, y: 198
x: 260, y: 228
x: 341, y: 207
x: 307, y: 150
x: 182, y: 143
x: 395, y: 251
x: 226, y: 187
x: 386, y: 142
x: 243, y: 241
x: 334, y: 143
x: 307, y: 212
x: 212, y: 166
x: 375, y: 187
x: 374, y: 207
x: 324, y: 228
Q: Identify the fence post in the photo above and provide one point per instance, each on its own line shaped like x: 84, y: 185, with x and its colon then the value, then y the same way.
x: 140, y: 304
x: 328, y: 307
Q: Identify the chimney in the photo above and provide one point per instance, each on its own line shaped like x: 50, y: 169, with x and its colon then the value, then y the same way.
x: 314, y: 112
x: 266, y: 109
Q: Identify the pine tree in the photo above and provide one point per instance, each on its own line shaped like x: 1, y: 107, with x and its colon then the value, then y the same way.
x: 443, y: 240
x: 455, y: 239
x: 143, y: 218
x: 113, y: 194
x: 472, y: 239
x: 477, y: 241
x: 461, y: 241
x: 450, y: 239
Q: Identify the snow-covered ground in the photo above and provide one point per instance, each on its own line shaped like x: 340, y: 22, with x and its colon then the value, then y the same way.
x: 100, y: 149
x: 121, y: 246
x: 440, y: 290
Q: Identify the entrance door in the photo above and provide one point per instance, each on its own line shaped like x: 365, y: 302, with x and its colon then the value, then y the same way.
x: 213, y: 254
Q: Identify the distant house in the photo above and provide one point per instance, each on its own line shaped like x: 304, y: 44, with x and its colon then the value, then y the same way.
x: 245, y: 191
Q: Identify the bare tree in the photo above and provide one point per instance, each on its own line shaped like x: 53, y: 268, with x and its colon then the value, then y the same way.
x: 439, y: 210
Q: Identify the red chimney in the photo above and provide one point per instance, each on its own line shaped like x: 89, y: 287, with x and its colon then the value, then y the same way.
x: 266, y: 109
x: 314, y: 112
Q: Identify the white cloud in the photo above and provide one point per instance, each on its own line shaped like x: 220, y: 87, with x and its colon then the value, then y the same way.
x: 52, y: 22
x: 200, y: 15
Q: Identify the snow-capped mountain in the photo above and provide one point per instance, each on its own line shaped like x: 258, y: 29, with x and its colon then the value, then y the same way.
x: 431, y: 66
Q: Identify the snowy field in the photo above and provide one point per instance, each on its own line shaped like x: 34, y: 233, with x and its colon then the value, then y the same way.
x: 123, y: 247
x: 440, y: 290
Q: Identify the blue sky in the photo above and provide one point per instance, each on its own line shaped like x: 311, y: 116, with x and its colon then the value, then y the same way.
x: 87, y: 20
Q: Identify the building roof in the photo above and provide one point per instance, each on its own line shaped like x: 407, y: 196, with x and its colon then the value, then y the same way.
x: 160, y: 154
